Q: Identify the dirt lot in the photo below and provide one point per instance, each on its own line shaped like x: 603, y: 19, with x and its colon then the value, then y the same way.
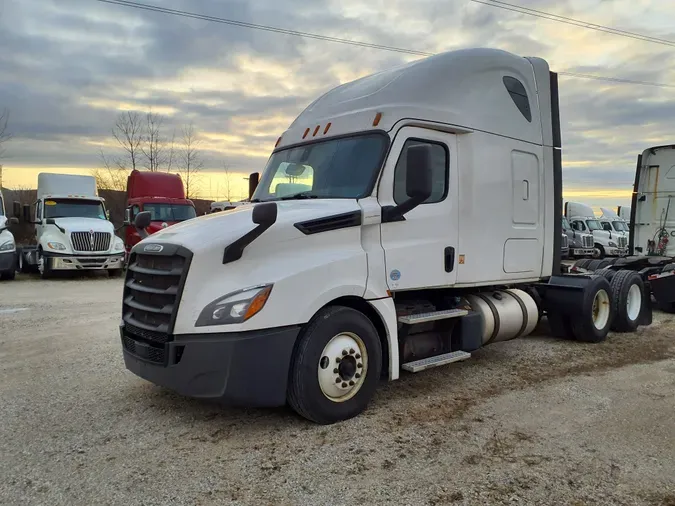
x: 532, y: 421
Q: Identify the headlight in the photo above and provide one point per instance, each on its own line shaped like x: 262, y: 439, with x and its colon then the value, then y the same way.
x: 7, y: 246
x: 119, y: 245
x: 235, y: 307
x: 56, y: 245
x: 612, y: 244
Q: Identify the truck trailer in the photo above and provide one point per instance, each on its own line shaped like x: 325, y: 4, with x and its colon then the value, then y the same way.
x: 161, y: 194
x: 387, y: 257
x: 72, y: 229
x: 7, y: 244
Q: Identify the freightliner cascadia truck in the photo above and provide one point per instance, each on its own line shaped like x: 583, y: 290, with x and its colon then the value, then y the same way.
x: 372, y: 246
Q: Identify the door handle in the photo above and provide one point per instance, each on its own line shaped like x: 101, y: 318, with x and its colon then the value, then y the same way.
x: 449, y: 259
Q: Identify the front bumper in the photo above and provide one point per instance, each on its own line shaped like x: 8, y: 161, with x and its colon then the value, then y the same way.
x: 243, y: 368
x: 85, y: 262
x: 582, y: 252
x: 7, y: 261
x: 616, y: 252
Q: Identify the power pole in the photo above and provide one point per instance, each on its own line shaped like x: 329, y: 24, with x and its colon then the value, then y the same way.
x: 0, y: 176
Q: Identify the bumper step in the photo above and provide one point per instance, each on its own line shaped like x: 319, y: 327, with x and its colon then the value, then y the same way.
x: 413, y: 319
x: 438, y: 360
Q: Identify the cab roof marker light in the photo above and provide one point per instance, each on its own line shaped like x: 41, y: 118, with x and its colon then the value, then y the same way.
x: 316, y: 130
x: 377, y: 119
x: 306, y: 132
x: 325, y: 130
x: 278, y: 141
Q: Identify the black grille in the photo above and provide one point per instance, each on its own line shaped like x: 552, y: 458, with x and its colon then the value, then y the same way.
x: 90, y: 241
x: 145, y: 351
x: 565, y: 241
x: 588, y: 241
x: 152, y: 293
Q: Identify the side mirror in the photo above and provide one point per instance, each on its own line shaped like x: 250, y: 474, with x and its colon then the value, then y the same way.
x: 52, y: 221
x: 16, y: 209
x: 253, y: 181
x: 418, y: 182
x: 127, y: 216
x: 143, y: 220
x: 107, y: 214
x: 26, y: 214
x: 265, y: 214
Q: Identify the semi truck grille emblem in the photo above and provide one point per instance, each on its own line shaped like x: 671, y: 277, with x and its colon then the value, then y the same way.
x: 154, y: 248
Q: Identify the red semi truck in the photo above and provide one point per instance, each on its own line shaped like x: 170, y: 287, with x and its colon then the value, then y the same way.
x: 160, y: 193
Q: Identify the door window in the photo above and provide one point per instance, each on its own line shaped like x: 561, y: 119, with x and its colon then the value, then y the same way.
x: 439, y: 171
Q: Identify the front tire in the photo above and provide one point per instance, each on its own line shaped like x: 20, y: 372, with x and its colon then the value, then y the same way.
x: 600, y: 252
x: 325, y: 384
x: 43, y: 266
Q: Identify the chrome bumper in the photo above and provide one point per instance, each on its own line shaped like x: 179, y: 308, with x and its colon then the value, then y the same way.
x: 74, y: 263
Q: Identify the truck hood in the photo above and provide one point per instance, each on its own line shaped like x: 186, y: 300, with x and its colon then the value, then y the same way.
x: 218, y: 230
x: 84, y: 225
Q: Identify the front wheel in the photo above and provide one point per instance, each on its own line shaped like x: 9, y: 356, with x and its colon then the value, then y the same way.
x: 335, y: 367
x: 599, y: 252
x: 43, y: 266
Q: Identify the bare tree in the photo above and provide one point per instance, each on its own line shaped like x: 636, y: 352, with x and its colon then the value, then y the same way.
x: 190, y: 160
x: 154, y: 146
x: 128, y: 132
x: 227, y: 183
x: 4, y: 133
x: 110, y: 177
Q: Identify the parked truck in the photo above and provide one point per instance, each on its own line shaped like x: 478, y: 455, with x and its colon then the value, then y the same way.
x: 582, y: 219
x: 160, y: 193
x: 580, y: 244
x: 7, y: 244
x: 391, y: 259
x: 612, y: 222
x: 72, y: 229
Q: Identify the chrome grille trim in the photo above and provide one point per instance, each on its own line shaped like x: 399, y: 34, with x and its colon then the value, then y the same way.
x: 90, y: 241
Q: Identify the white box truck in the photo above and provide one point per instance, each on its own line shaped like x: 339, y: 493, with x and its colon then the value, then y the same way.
x: 403, y: 221
x: 72, y: 228
x: 7, y: 244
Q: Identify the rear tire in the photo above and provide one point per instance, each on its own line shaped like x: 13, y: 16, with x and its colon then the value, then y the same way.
x: 593, y: 265
x: 597, y: 312
x: 583, y: 263
x: 319, y: 389
x: 608, y: 274
x: 627, y: 290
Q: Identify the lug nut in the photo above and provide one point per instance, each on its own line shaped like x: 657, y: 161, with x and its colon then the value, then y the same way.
x: 358, y: 356
x: 337, y: 359
x: 344, y: 385
x: 335, y: 371
x: 359, y: 365
x: 351, y: 351
x: 344, y: 352
x: 337, y: 380
x: 357, y: 375
x: 351, y: 383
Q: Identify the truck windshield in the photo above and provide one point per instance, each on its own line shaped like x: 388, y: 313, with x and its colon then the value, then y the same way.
x: 620, y: 226
x: 343, y: 168
x: 593, y: 224
x: 74, y: 208
x: 170, y: 212
x: 565, y: 224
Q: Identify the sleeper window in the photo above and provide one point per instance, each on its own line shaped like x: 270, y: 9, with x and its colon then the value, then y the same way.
x: 439, y: 171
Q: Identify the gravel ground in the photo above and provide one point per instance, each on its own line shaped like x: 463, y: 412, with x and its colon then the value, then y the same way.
x: 532, y: 421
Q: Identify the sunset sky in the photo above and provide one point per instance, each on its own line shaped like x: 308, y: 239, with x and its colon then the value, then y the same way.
x: 67, y: 67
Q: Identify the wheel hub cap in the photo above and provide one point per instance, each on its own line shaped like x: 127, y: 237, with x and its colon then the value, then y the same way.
x: 342, y: 367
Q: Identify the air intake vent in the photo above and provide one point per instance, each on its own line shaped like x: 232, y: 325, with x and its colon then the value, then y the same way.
x: 336, y: 222
x: 565, y: 242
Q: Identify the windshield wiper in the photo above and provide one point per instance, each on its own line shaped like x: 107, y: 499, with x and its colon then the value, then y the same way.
x: 301, y: 195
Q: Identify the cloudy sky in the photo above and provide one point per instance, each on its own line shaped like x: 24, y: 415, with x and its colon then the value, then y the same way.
x: 68, y: 67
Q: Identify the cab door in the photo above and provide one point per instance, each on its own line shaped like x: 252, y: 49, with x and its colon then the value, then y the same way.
x: 421, y: 250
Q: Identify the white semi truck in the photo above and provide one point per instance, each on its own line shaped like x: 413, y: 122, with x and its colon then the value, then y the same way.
x: 428, y: 225
x: 580, y: 244
x: 612, y: 222
x: 7, y: 244
x: 607, y: 243
x: 71, y: 227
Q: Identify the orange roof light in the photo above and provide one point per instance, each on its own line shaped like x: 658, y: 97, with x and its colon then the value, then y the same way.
x: 377, y: 119
x: 325, y: 130
x: 278, y: 141
x: 316, y: 130
x: 306, y: 132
